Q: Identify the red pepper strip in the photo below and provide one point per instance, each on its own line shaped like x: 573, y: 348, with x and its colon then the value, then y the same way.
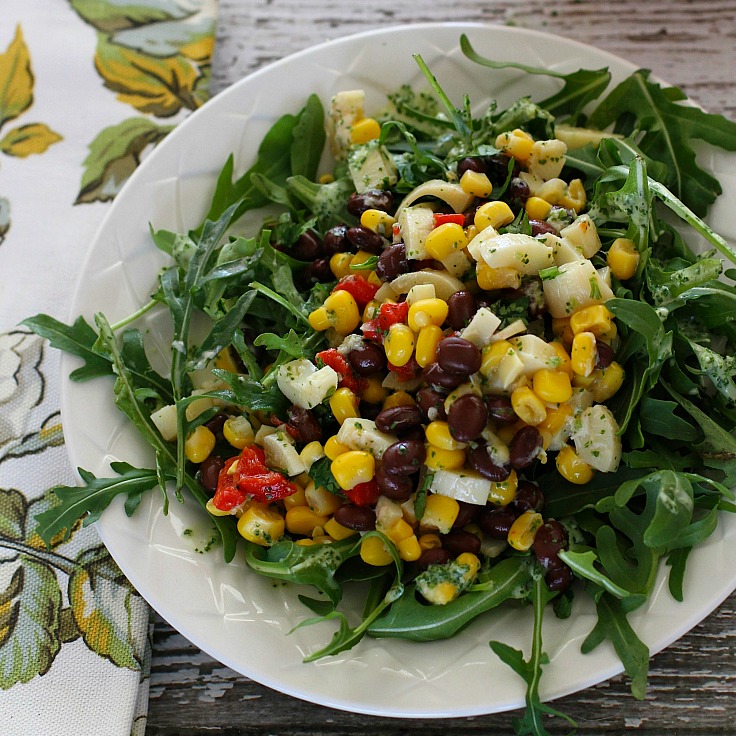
x: 265, y: 487
x: 405, y: 372
x: 340, y: 365
x: 364, y: 494
x: 441, y: 218
x: 358, y: 287
x: 390, y: 314
x: 227, y: 495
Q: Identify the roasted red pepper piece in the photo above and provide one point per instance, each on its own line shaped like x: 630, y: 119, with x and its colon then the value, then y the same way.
x: 228, y: 495
x: 364, y: 494
x: 339, y: 364
x: 358, y: 287
x: 440, y: 218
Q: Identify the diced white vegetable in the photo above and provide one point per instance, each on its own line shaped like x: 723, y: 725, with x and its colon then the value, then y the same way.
x: 497, y: 448
x: 504, y: 376
x: 395, y: 382
x: 605, y: 274
x: 481, y: 327
x: 445, y: 285
x: 596, y: 438
x: 281, y: 453
x: 579, y: 137
x: 419, y: 292
x: 165, y: 421
x: 547, y: 158
x: 371, y: 166
x: 553, y: 190
x: 533, y: 182
x: 362, y: 434
x: 514, y: 250
x: 304, y: 385
x: 583, y: 235
x: 581, y: 399
x: 264, y: 431
x: 515, y: 328
x: 564, y: 250
x: 576, y: 285
x: 534, y: 353
x: 457, y: 263
x: 462, y: 485
x: 415, y: 223
x: 448, y: 192
x: 346, y: 108
x: 473, y: 247
x: 385, y: 291
x: 388, y: 512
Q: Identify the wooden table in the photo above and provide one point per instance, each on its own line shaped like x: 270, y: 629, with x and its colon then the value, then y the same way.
x: 693, y: 683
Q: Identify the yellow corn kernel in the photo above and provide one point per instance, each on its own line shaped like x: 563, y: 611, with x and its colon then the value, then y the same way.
x: 583, y: 355
x: 445, y: 240
x: 438, y: 435
x: 565, y: 363
x: 428, y: 339
x: 199, y: 444
x: 373, y: 552
x: 493, y: 354
x: 333, y: 447
x: 373, y: 278
x: 340, y: 264
x: 399, y: 344
x: 439, y: 459
x: 575, y: 198
x: 623, y: 258
x: 337, y: 531
x: 303, y: 521
x: 537, y: 208
x: 342, y: 312
x: 306, y: 542
x: 503, y: 277
x: 425, y: 312
x: 364, y: 130
x: 311, y: 452
x: 344, y: 404
x: 561, y: 329
x: 477, y: 184
x: 572, y: 468
x: 360, y: 258
x: 295, y: 499
x: 399, y: 531
x: 374, y: 391
x: 503, y: 491
x: 472, y: 562
x: 470, y: 232
x: 353, y: 467
x: 224, y: 360
x: 516, y: 143
x: 261, y: 525
x: 429, y: 541
x: 409, y: 549
x: 552, y: 386
x: 553, y: 190
x: 371, y: 310
x: 555, y: 420
x: 603, y: 383
x: 527, y: 405
x: 398, y: 398
x: 506, y: 432
x: 238, y: 432
x: 320, y: 500
x: 319, y: 319
x: 523, y: 530
x: 595, y: 318
x: 440, y: 513
x: 378, y: 221
x: 326, y: 178
x: 493, y: 214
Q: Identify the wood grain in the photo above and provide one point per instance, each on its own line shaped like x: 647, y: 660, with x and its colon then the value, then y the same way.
x: 692, y: 683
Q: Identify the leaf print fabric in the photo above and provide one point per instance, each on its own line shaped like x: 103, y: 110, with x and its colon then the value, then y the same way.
x: 87, y: 89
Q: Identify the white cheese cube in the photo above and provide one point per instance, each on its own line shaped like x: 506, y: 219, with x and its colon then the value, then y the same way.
x: 304, y: 385
x: 462, y: 485
x: 513, y: 250
x: 415, y: 223
x: 481, y: 327
x: 281, y: 453
x: 165, y: 421
x: 362, y: 434
x: 583, y: 235
x: 576, y: 285
x: 596, y: 438
x: 547, y: 158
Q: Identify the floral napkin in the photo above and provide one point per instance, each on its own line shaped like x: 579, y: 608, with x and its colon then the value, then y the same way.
x: 87, y: 89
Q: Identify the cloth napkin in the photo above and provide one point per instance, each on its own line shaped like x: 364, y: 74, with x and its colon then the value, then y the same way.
x: 87, y: 89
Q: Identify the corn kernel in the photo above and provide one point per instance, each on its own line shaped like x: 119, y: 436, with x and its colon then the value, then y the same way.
x: 583, y: 354
x: 470, y: 232
x: 337, y: 531
x: 429, y: 541
x: 342, y: 312
x: 445, y: 240
x: 425, y: 312
x: 527, y: 405
x: 516, y: 143
x: 552, y: 386
x: 238, y: 432
x: 364, y: 130
x: 523, y: 530
x: 359, y: 258
x: 302, y: 520
x: 378, y: 221
x: 409, y: 549
x: 493, y: 214
x: 441, y: 593
x: 595, y: 318
x: 503, y: 277
x: 340, y: 264
x: 438, y: 435
x: 471, y: 561
x: 565, y: 363
x: 373, y: 552
x: 352, y: 468
x: 572, y: 468
x: 319, y: 319
x: 399, y: 531
x: 555, y: 420
x: 344, y: 404
x: 439, y: 459
x: 333, y: 447
x: 326, y: 178
x: 371, y: 310
x: 311, y: 452
x: 477, y: 184
x: 537, y: 208
x: 398, y: 398
x: 575, y: 198
x: 426, y: 344
x: 320, y: 500
x: 306, y: 542
x: 199, y: 444
x: 399, y: 344
x: 261, y: 525
x: 503, y: 492
x: 493, y: 354
x: 623, y: 258
x: 561, y: 329
x: 374, y: 391
x: 603, y: 383
x: 440, y: 513
x: 225, y: 362
x: 295, y: 499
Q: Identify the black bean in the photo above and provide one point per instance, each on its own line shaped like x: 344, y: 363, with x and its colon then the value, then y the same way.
x: 540, y: 227
x: 605, y: 354
x: 308, y: 247
x: 365, y: 239
x: 392, y: 262
x: 209, y: 472
x: 315, y: 271
x: 461, y: 306
x: 305, y: 425
x: 403, y: 457
x: 373, y: 199
x: 500, y: 409
x: 398, y: 419
x: 433, y: 556
x: 550, y: 539
x: 497, y: 167
x: 528, y: 497
x: 559, y: 578
x: 467, y: 418
x: 431, y: 404
x: 439, y: 379
x: 518, y: 192
x: 458, y: 355
x: 369, y: 411
x: 358, y: 518
x: 336, y: 241
x: 496, y: 522
x: 470, y: 163
x: 367, y: 359
x: 395, y: 487
x: 216, y: 423
x: 525, y: 447
x: 460, y: 541
x: 480, y: 460
x: 466, y: 514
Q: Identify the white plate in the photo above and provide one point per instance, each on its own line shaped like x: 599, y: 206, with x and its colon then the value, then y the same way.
x: 237, y: 617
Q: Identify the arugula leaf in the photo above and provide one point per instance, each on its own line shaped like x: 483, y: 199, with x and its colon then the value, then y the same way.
x: 322, y: 476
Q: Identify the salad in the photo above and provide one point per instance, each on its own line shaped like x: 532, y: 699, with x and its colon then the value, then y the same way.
x: 473, y: 363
